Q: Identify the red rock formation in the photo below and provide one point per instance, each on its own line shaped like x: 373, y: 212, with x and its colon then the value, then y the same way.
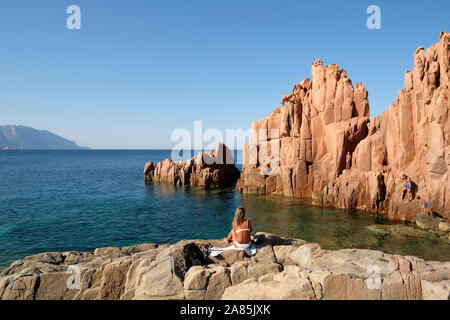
x: 312, y: 132
x: 207, y: 170
x: 323, y: 120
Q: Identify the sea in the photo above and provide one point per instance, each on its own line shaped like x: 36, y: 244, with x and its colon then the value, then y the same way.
x: 79, y: 200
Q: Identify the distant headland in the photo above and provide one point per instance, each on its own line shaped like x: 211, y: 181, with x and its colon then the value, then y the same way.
x: 26, y: 138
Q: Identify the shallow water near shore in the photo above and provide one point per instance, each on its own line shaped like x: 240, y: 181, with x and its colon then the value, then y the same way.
x: 82, y: 200
x: 339, y: 229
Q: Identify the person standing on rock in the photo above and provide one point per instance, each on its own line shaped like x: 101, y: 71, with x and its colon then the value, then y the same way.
x: 348, y: 161
x: 406, y: 187
x: 242, y: 228
x: 424, y: 206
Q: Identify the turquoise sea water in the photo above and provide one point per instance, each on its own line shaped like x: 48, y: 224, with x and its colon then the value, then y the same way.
x: 82, y: 200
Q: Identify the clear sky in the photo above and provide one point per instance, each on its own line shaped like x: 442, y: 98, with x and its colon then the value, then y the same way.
x: 139, y: 69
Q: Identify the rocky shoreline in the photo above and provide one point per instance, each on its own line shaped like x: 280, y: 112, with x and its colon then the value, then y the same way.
x: 282, y: 269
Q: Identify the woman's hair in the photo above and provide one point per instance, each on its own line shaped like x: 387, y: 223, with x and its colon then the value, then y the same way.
x: 239, y: 216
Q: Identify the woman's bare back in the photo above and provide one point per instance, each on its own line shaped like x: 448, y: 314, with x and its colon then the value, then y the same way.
x: 243, y: 236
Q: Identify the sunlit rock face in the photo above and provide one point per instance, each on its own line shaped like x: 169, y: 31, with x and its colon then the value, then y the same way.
x: 302, y: 148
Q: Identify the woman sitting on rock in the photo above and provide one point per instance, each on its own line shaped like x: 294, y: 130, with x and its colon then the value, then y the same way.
x: 242, y: 228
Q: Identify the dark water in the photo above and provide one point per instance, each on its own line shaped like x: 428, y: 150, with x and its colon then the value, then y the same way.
x: 82, y: 200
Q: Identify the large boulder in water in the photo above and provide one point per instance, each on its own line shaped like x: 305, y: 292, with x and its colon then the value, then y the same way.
x: 207, y: 170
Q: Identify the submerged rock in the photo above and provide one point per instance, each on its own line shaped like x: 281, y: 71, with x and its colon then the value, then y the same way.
x: 427, y: 222
x: 379, y: 230
x: 282, y: 269
x: 398, y: 230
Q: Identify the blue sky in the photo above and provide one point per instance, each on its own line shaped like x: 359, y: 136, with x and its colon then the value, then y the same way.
x: 139, y: 69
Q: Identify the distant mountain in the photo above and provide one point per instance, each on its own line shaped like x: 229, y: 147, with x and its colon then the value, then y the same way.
x: 21, y: 137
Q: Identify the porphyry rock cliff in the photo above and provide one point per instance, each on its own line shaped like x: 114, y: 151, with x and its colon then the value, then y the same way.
x: 302, y: 146
x: 282, y: 269
x: 328, y: 150
x: 207, y: 170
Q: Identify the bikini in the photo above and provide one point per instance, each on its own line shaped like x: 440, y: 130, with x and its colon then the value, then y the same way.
x: 246, y: 245
x: 408, y: 186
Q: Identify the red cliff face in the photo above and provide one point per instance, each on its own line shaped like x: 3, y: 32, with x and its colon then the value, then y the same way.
x: 325, y: 119
x: 310, y: 135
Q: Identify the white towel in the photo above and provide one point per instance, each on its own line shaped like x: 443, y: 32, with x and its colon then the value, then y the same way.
x: 217, y: 251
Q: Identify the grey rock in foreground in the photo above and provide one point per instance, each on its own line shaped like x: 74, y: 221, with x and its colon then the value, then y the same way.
x: 282, y: 269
